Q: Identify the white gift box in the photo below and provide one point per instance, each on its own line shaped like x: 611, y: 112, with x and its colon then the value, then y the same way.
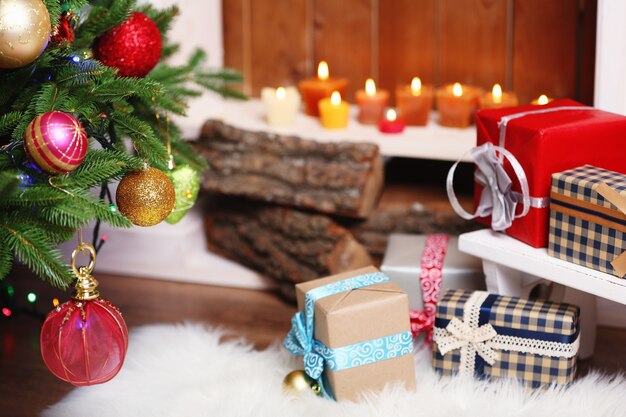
x: 402, y: 264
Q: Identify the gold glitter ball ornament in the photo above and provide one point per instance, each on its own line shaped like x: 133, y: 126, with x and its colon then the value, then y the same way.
x: 297, y: 382
x: 24, y: 31
x: 146, y: 197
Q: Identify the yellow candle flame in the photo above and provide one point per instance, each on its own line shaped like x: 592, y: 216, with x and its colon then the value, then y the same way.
x: 391, y: 115
x: 457, y: 90
x: 543, y: 99
x: 496, y: 93
x: 322, y: 70
x: 335, y: 98
x: 370, y: 87
x: 416, y: 86
x: 281, y: 93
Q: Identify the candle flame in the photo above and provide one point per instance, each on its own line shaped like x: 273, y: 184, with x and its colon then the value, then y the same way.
x: 457, y: 90
x: 496, y: 93
x: 335, y: 98
x: 416, y: 86
x: 370, y: 87
x: 391, y: 115
x: 322, y: 70
x: 543, y: 99
x: 281, y: 93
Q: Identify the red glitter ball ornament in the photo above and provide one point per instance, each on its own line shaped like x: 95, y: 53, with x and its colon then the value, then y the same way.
x: 133, y: 47
x: 84, y: 340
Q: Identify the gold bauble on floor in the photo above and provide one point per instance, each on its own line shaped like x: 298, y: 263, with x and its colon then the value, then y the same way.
x: 298, y: 382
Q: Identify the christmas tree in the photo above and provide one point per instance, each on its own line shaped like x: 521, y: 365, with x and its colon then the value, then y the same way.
x: 85, y: 99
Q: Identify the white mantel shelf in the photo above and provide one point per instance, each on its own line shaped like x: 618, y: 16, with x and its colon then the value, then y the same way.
x: 432, y: 142
x: 505, y: 250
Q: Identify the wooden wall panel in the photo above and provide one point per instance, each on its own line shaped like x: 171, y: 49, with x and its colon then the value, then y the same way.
x: 232, y: 29
x: 278, y: 39
x: 343, y: 38
x: 545, y: 48
x: 587, y: 51
x: 473, y: 41
x: 407, y: 42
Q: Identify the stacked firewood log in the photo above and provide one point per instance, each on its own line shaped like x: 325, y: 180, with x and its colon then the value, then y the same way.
x: 297, y: 209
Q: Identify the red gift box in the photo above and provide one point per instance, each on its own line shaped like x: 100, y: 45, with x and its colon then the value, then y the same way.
x: 545, y: 143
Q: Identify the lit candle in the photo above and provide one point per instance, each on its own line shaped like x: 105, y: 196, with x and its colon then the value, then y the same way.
x: 497, y: 98
x: 457, y: 104
x: 415, y: 102
x: 334, y: 112
x: 391, y: 123
x: 371, y: 103
x: 281, y: 105
x: 313, y: 89
x: 541, y: 100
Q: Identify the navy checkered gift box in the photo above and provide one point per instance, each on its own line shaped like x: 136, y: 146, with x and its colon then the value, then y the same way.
x: 495, y: 336
x: 586, y: 225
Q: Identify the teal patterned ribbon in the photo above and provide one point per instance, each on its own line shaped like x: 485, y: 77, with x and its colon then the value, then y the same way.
x: 317, y: 356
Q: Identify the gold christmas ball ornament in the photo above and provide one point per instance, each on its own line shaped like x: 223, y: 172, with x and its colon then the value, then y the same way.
x: 24, y: 31
x: 297, y: 382
x: 146, y: 197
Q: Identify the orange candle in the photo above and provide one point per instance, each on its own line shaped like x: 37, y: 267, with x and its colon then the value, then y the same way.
x: 497, y: 98
x: 334, y: 113
x: 415, y: 102
x: 541, y: 100
x: 457, y: 105
x: 371, y: 103
x: 316, y: 88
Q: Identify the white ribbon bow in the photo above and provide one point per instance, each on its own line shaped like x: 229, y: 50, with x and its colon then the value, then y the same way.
x: 461, y: 335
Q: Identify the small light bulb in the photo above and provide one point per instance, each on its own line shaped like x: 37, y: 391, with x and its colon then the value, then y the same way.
x: 6, y: 312
x: 55, y: 302
x: 32, y: 297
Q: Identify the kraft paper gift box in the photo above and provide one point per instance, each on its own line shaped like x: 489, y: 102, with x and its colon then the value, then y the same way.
x: 403, y: 264
x: 588, y: 220
x: 494, y: 336
x: 360, y: 333
x: 543, y: 140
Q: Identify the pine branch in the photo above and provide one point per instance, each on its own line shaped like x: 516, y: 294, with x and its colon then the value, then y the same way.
x: 39, y: 254
x: 6, y: 258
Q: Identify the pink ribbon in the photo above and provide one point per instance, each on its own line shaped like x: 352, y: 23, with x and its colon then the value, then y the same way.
x: 430, y: 279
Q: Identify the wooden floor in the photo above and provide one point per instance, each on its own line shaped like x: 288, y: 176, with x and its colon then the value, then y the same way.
x: 26, y: 387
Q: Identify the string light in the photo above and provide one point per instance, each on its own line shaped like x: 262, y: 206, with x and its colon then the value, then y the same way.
x: 31, y: 297
x: 112, y: 208
x: 55, y: 302
x: 6, y: 312
x: 10, y: 291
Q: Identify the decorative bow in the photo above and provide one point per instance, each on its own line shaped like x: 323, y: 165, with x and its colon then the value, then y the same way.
x: 299, y: 341
x: 497, y: 198
x: 461, y: 335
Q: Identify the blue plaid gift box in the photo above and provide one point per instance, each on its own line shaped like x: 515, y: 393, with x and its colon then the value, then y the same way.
x: 587, y: 220
x: 495, y: 336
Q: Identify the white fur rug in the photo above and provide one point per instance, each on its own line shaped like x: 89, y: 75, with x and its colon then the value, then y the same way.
x: 184, y: 371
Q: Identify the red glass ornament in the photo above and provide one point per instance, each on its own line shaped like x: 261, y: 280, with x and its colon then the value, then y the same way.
x: 64, y: 31
x: 84, y: 340
x: 133, y: 47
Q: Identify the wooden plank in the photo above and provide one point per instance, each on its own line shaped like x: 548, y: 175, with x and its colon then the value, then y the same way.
x: 544, y: 44
x: 343, y: 38
x: 278, y: 40
x: 473, y: 41
x: 232, y: 31
x: 406, y: 43
x: 587, y: 51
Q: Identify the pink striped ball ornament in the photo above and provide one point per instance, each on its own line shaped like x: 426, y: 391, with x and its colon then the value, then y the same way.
x: 56, y: 142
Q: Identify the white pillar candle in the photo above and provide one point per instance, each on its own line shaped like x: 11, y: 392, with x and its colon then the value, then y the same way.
x: 281, y: 105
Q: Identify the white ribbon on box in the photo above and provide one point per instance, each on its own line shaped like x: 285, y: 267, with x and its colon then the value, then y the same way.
x: 497, y: 198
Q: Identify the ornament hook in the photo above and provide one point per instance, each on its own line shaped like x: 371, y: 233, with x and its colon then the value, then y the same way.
x: 86, y: 285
